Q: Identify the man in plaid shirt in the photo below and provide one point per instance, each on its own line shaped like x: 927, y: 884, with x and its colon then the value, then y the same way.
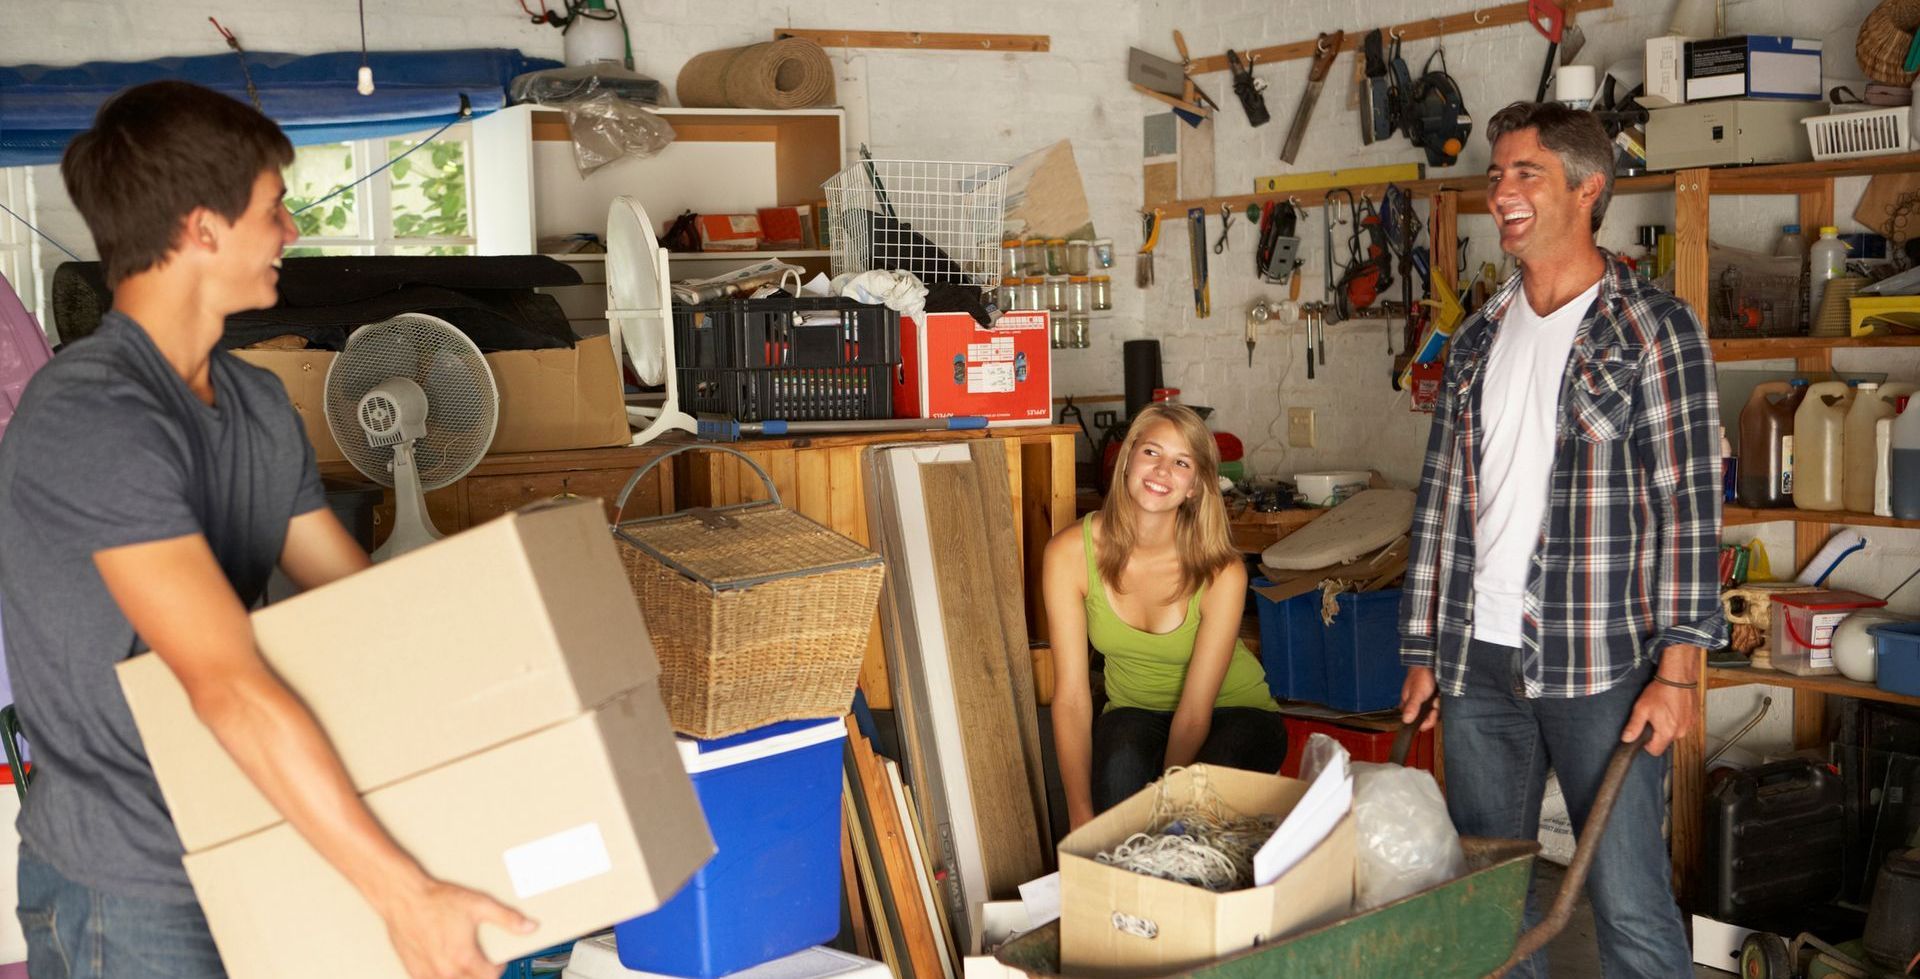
x: 1561, y: 582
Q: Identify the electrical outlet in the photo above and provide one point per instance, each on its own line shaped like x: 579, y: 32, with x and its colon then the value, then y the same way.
x: 1300, y: 428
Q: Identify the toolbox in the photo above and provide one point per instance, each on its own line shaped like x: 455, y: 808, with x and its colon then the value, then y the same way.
x: 1776, y: 840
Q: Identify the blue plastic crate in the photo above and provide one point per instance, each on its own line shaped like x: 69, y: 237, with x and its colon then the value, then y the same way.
x: 1898, y: 647
x: 1352, y: 665
x: 772, y: 801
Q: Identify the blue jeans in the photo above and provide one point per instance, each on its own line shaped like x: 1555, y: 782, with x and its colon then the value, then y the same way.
x: 75, y: 932
x: 1130, y: 747
x: 1499, y: 745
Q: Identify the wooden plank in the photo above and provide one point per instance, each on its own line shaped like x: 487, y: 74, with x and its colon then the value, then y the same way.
x: 1831, y: 684
x: 982, y: 688
x: 902, y: 894
x: 850, y: 883
x: 913, y: 713
x: 1486, y: 18
x: 919, y: 835
x: 1816, y: 210
x: 920, y: 40
x: 1003, y: 566
x: 783, y: 466
x: 866, y: 853
x: 1016, y: 487
x: 1809, y: 719
x: 1444, y: 212
x: 1688, y: 823
x: 1061, y: 490
x: 1690, y: 205
x: 1725, y: 351
x: 849, y: 514
x: 807, y: 155
x: 922, y: 873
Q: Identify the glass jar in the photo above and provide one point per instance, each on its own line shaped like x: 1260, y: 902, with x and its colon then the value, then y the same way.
x: 1032, y: 293
x: 1103, y: 253
x: 1056, y: 293
x: 1059, y: 332
x: 1079, y: 256
x: 1056, y: 256
x: 1079, y: 295
x: 1079, y: 331
x: 1011, y: 259
x: 1036, y: 253
x: 1101, y: 287
x: 1009, y: 295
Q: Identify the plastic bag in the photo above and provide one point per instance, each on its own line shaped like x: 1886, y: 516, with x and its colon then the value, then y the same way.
x: 1407, y: 840
x: 606, y: 108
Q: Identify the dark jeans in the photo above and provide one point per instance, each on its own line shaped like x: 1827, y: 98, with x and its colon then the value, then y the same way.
x: 1499, y: 745
x: 74, y: 932
x: 1129, y: 745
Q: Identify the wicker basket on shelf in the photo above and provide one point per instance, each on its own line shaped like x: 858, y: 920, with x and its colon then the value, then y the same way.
x: 757, y: 614
x: 1881, y: 46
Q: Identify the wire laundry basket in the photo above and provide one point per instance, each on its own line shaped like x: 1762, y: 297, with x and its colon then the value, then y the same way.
x: 940, y: 221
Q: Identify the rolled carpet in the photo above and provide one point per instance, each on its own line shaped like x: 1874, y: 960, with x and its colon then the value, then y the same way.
x: 791, y: 73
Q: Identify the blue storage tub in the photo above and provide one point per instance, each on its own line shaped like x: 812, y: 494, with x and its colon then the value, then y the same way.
x: 1352, y: 665
x: 772, y: 801
x: 1897, y: 645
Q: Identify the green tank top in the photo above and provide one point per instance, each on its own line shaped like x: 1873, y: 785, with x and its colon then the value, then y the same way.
x: 1147, y: 670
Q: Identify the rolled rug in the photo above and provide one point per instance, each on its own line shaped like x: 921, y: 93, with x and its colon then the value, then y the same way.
x: 791, y: 73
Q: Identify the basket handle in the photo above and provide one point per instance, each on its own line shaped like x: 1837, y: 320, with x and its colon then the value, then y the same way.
x: 1795, y: 635
x: 620, y: 504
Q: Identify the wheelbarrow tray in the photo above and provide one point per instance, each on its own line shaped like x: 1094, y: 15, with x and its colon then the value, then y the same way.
x: 1464, y: 928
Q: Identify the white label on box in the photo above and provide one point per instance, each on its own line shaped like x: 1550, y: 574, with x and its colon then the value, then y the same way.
x: 553, y: 862
x: 993, y: 378
x: 1823, y: 625
x: 999, y: 348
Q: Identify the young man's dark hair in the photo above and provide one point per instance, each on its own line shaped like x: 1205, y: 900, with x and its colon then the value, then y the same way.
x: 156, y: 152
x: 1576, y: 136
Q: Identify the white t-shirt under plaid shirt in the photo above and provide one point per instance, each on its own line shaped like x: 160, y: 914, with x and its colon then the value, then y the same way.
x: 1520, y: 412
x: 1629, y: 545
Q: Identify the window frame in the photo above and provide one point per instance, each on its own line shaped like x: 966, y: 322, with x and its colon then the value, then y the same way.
x: 374, y: 200
x: 20, y: 248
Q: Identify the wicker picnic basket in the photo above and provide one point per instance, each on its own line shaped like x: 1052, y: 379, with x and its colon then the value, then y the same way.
x: 757, y: 614
x: 1881, y: 45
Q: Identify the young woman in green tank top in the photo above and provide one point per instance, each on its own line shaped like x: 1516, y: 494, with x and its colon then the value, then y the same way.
x: 1154, y: 584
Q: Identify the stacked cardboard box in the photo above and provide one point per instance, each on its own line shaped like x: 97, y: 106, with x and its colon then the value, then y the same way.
x: 494, y: 698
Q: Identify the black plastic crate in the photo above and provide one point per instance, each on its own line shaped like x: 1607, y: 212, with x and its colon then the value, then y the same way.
x: 786, y: 359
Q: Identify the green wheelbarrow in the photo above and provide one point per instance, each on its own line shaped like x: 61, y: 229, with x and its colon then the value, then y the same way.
x: 1466, y: 928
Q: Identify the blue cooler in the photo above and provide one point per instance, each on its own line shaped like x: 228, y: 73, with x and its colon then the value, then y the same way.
x: 772, y: 801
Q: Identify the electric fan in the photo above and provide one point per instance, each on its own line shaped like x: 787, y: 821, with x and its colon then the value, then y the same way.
x: 413, y: 405
x: 640, y: 314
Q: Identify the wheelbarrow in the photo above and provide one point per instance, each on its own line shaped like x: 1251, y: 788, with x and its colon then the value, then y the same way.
x: 1466, y: 928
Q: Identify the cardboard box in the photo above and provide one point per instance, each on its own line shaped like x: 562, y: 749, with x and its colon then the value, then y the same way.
x: 579, y: 826
x: 563, y: 398
x: 513, y: 626
x: 1666, y: 71
x: 1754, y: 66
x: 1191, y: 925
x: 953, y: 366
x: 1728, y: 132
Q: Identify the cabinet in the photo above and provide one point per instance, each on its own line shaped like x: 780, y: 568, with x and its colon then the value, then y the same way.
x: 819, y: 477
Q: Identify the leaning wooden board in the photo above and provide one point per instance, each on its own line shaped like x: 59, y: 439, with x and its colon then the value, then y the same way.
x: 982, y: 684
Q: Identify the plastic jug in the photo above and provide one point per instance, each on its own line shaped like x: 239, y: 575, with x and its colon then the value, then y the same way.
x: 1790, y: 245
x: 1903, y: 482
x: 1819, y: 440
x: 1871, y: 402
x: 1826, y: 261
x: 1766, y: 433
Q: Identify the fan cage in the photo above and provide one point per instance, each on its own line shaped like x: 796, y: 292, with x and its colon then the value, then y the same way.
x: 462, y: 401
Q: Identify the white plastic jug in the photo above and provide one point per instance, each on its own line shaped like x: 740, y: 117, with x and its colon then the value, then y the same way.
x: 1819, y: 440
x: 1826, y: 261
x: 1871, y: 402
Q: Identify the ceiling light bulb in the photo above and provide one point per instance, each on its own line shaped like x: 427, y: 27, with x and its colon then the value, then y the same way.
x: 366, y: 80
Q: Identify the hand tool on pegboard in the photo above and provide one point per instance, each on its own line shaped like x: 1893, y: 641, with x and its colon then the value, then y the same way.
x: 1197, y: 259
x: 1328, y: 48
x: 1226, y: 221
x: 1149, y: 237
x: 1257, y: 314
x: 1248, y: 88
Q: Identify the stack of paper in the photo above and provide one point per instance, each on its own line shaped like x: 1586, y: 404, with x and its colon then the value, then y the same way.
x: 1325, y: 803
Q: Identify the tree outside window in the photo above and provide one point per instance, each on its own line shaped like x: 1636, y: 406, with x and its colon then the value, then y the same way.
x: 421, y: 205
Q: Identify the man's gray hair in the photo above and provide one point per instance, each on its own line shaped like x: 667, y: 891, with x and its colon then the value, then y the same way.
x: 1574, y: 135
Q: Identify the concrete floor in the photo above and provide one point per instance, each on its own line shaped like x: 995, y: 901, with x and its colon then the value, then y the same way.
x: 1572, y: 955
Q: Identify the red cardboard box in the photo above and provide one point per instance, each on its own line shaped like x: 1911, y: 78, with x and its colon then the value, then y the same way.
x: 728, y: 232
x: 950, y: 365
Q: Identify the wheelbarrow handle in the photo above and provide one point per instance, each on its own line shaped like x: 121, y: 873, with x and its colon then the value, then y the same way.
x: 1403, y: 741
x: 1536, y: 938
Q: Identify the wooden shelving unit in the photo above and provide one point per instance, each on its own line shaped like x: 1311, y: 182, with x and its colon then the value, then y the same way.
x: 1740, y: 516
x: 1838, y: 686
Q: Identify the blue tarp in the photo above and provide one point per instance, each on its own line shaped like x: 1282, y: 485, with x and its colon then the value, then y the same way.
x: 312, y: 96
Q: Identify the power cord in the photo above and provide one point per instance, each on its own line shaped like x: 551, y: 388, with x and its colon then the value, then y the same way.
x: 466, y: 112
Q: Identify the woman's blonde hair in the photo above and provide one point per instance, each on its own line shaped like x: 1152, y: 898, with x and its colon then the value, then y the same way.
x: 1200, y: 528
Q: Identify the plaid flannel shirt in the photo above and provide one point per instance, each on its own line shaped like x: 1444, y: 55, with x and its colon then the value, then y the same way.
x: 1628, y: 554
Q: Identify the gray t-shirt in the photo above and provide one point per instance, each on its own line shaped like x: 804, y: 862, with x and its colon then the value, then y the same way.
x: 110, y: 448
